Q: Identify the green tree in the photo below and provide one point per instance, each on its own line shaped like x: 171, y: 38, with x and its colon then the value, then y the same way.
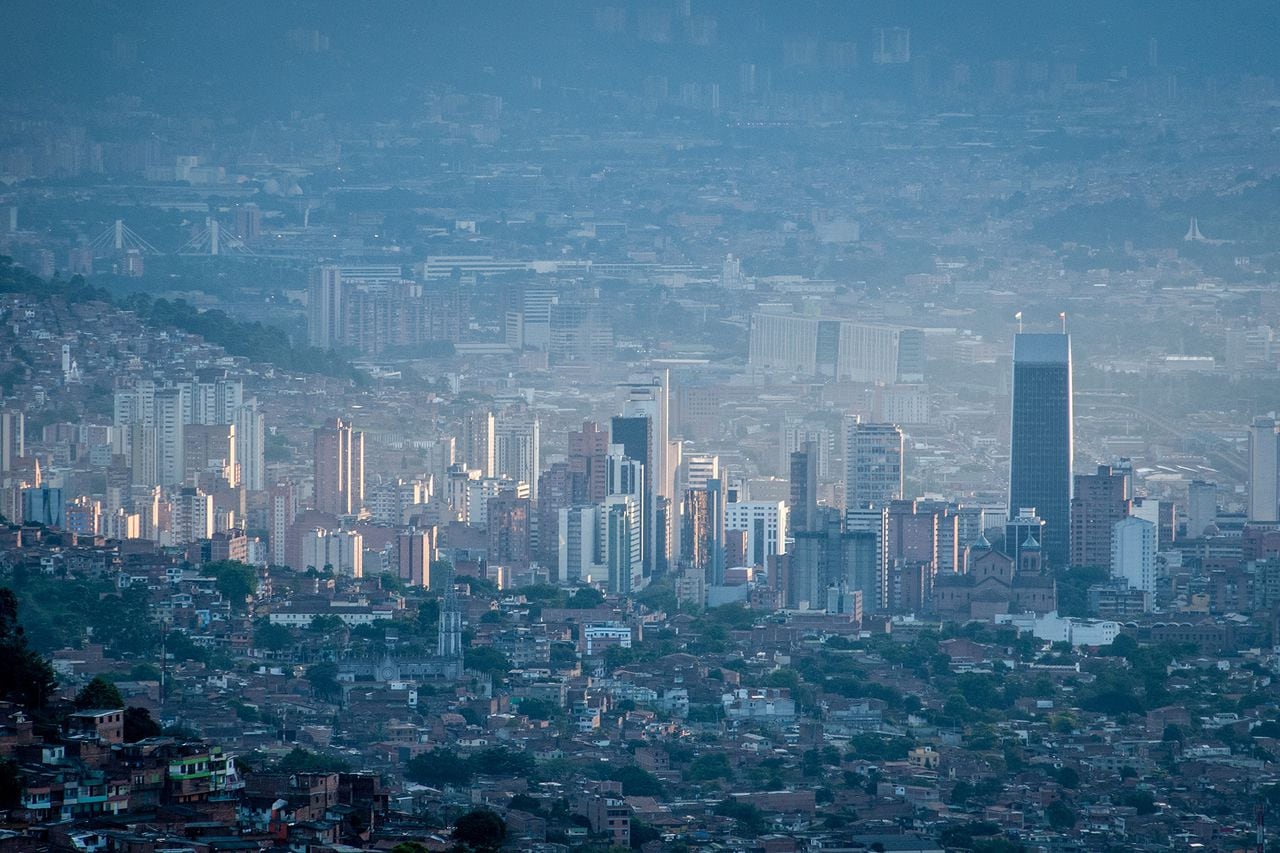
x: 301, y: 760
x: 1068, y: 777
x: 538, y: 709
x: 749, y: 818
x: 272, y: 637
x: 638, y: 782
x: 409, y: 847
x: 25, y: 678
x: 326, y: 624
x: 138, y: 725
x: 10, y: 784
x: 439, y: 768
x: 1060, y: 816
x: 709, y: 766
x: 235, y: 581
x: 324, y: 681
x: 480, y: 831
x: 585, y: 598
x: 99, y: 694
x: 501, y: 761
x: 487, y: 660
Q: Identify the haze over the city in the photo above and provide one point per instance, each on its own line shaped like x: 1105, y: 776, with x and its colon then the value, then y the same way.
x: 656, y: 425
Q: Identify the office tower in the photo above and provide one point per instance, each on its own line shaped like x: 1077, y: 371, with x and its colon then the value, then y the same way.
x: 699, y: 468
x: 12, y: 439
x: 282, y: 509
x: 647, y: 398
x: 1264, y: 473
x: 508, y: 527
x: 1026, y: 529
x: 478, y: 443
x: 516, y: 450
x: 1042, y: 437
x: 1133, y: 553
x: 588, y: 449
x: 45, y: 505
x: 251, y: 442
x: 873, y: 461
x: 764, y: 528
x: 1098, y: 502
x: 635, y: 435
x: 171, y: 404
x: 337, y: 551
x: 1202, y: 507
x: 804, y: 487
x: 339, y: 468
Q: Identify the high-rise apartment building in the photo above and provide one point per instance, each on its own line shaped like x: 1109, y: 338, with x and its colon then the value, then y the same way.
x: 251, y: 445
x: 1264, y: 471
x: 804, y: 487
x: 1098, y: 502
x: 171, y: 404
x: 1202, y: 507
x: 517, y: 447
x: 699, y: 468
x: 764, y: 528
x: 478, y: 443
x: 282, y: 509
x: 416, y: 550
x: 795, y: 435
x: 1041, y: 437
x: 873, y: 461
x: 588, y: 449
x: 830, y: 557
x: 1133, y: 553
x: 12, y: 439
x: 339, y: 468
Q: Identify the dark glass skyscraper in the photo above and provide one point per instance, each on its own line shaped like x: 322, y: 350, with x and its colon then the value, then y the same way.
x: 1041, y: 439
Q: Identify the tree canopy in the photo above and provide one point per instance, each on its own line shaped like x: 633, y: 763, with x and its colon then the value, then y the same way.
x: 99, y: 694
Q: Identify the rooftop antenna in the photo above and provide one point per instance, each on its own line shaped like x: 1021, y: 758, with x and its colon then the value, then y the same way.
x: 1062, y: 315
x: 1018, y: 317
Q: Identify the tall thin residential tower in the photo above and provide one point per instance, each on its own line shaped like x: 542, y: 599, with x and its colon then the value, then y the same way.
x: 1042, y: 438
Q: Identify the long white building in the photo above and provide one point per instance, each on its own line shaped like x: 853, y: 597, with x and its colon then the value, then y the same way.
x: 841, y: 349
